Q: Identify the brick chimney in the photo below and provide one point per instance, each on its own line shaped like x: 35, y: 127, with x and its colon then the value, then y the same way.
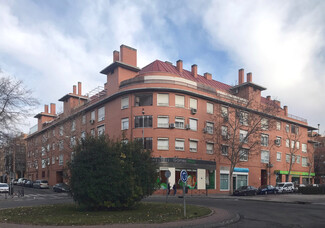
x: 79, y: 88
x: 285, y: 110
x: 240, y: 76
x: 268, y: 98
x: 128, y: 55
x: 46, y: 109
x: 53, y: 111
x: 74, y: 89
x: 249, y: 77
x: 194, y: 70
x: 116, y: 56
x: 208, y: 76
x: 179, y: 65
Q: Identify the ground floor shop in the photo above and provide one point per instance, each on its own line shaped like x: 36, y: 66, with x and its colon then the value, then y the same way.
x: 295, y: 177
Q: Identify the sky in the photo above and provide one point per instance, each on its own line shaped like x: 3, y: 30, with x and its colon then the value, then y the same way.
x: 52, y: 45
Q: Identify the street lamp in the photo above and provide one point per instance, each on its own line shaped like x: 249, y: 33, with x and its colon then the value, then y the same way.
x: 143, y: 127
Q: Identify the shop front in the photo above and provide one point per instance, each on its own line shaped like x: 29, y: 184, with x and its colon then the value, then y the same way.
x: 295, y: 177
x: 239, y: 178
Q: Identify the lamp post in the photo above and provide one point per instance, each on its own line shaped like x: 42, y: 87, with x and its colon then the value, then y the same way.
x: 143, y: 127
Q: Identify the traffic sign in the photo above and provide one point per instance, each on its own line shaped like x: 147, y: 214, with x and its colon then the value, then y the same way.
x: 167, y: 174
x: 184, y: 176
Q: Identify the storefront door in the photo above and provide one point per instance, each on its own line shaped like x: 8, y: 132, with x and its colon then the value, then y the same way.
x: 234, y: 182
x: 263, y: 177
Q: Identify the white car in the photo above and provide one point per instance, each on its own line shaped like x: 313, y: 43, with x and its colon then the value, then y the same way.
x: 285, y: 187
x: 4, y: 188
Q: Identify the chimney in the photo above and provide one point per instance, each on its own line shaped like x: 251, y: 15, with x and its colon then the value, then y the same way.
x: 179, y: 65
x: 278, y: 103
x: 79, y: 88
x: 249, y: 77
x: 240, y: 76
x: 53, y: 111
x: 285, y: 110
x: 116, y: 56
x: 46, y: 108
x: 128, y: 55
x: 74, y: 89
x: 268, y: 98
x: 194, y: 70
x: 208, y: 76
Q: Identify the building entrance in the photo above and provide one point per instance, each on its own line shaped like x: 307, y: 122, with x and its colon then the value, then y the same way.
x: 263, y: 177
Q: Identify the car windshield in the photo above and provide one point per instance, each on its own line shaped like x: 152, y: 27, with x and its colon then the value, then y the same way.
x: 3, y: 185
x: 44, y: 181
x: 242, y: 188
x: 279, y: 185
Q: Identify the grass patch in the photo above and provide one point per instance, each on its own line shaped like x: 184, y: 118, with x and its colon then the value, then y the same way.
x: 70, y: 214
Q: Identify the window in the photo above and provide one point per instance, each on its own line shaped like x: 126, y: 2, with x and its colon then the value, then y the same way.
x: 298, y: 159
x: 294, y: 129
x: 193, y: 124
x: 209, y: 148
x: 193, y: 146
x: 224, y: 181
x: 138, y: 122
x: 264, y: 140
x: 304, y: 147
x: 53, y: 132
x: 179, y: 101
x: 224, y: 112
x: 278, y: 141
x: 73, y: 154
x: 144, y: 99
x: 61, y: 159
x: 243, y: 118
x: 304, y: 162
x: 265, y: 156
x: 61, y: 131
x: 287, y: 143
x: 124, y: 102
x: 83, y: 135
x: 179, y: 122
x: 93, y: 115
x: 243, y: 136
x: 278, y: 126
x: 293, y: 158
x: 73, y: 125
x: 162, y: 144
x: 53, y: 146
x: 292, y: 144
x: 61, y: 145
x: 193, y: 103
x: 48, y: 147
x: 163, y: 121
x: 43, y: 163
x: 53, y: 160
x: 224, y: 150
x: 83, y: 119
x: 287, y: 158
x: 162, y: 99
x: 101, y: 114
x: 209, y: 127
x: 125, y: 124
x: 101, y: 130
x: 278, y: 156
x: 92, y: 132
x: 147, y: 143
x: 224, y: 132
x: 179, y: 144
x: 73, y: 142
x: 264, y: 124
x: 287, y: 128
x: 209, y: 108
x: 297, y: 145
x: 243, y: 153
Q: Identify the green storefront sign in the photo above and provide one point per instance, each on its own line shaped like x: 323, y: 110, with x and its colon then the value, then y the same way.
x: 294, y: 173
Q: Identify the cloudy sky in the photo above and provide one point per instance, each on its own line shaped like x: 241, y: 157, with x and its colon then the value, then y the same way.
x: 51, y: 45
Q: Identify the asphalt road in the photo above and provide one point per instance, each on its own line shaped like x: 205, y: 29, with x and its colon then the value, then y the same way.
x: 262, y: 214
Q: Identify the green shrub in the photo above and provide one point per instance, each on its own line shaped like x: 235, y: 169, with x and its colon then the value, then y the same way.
x: 111, y: 174
x: 312, y: 190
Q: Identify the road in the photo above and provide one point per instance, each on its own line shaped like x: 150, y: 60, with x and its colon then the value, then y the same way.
x: 252, y: 213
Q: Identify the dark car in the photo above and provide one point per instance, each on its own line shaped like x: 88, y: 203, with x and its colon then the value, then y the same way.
x: 267, y: 189
x: 61, y: 187
x: 28, y: 183
x: 245, y: 191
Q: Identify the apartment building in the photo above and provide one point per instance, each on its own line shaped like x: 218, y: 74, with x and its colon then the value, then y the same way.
x: 184, y: 118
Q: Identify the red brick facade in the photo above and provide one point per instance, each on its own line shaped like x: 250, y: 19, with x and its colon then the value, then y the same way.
x: 172, y: 108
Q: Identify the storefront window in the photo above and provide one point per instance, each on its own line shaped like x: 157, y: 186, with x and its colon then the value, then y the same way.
x: 224, y: 181
x: 210, y: 179
x: 241, y: 180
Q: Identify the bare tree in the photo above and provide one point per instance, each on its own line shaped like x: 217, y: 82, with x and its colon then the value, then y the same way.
x: 16, y: 103
x: 238, y: 128
x: 319, y: 159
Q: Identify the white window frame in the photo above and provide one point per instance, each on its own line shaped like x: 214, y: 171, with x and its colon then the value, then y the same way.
x: 193, y: 145
x: 179, y: 101
x: 73, y: 125
x: 278, y: 125
x: 297, y: 145
x: 209, y: 127
x: 264, y: 124
x: 163, y: 121
x: 287, y: 143
x: 209, y: 148
x: 298, y: 159
x: 243, y: 153
x: 179, y: 122
x: 288, y: 158
x: 61, y: 130
x: 162, y: 99
x: 179, y: 144
x: 124, y: 102
x: 264, y: 140
x: 242, y: 136
x: 124, y: 124
x: 101, y: 114
x: 209, y: 108
x: 163, y: 144
x: 222, y: 151
x: 101, y: 130
x: 278, y: 156
x: 304, y: 147
x: 61, y: 159
x: 224, y: 111
x: 265, y: 156
x: 193, y: 124
x: 243, y: 118
x: 304, y: 161
x: 84, y: 119
x: 193, y: 103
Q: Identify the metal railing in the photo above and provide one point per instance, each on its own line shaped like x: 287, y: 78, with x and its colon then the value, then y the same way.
x: 297, y: 118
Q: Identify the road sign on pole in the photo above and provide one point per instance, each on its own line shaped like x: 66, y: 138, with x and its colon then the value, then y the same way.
x: 184, y: 177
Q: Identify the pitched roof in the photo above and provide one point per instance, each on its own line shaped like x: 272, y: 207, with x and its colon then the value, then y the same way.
x: 159, y: 66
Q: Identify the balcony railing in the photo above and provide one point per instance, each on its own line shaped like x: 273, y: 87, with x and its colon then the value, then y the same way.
x: 297, y: 118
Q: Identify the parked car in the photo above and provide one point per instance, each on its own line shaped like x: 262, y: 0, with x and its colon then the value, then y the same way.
x: 4, y: 188
x: 284, y: 187
x: 41, y: 184
x: 14, y: 181
x: 28, y: 183
x: 245, y: 191
x: 21, y: 181
x: 61, y: 187
x: 267, y: 189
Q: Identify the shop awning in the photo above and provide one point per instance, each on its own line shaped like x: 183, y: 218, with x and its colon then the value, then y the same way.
x: 295, y: 173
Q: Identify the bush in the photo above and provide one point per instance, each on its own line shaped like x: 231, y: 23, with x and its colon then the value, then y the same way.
x: 111, y: 174
x: 312, y: 190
